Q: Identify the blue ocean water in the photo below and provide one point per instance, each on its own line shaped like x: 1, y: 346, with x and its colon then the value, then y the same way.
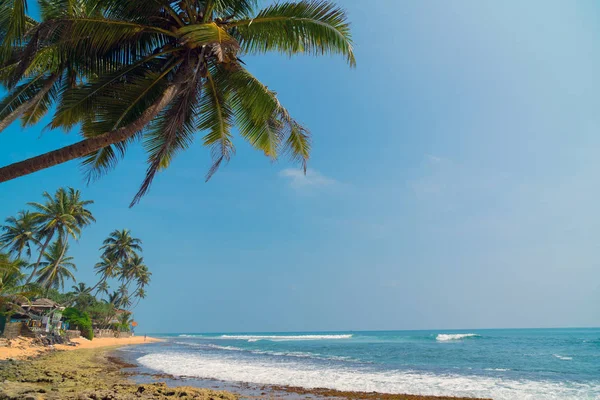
x: 501, y: 364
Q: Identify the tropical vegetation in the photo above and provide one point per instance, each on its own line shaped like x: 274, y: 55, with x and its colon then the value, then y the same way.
x: 156, y: 72
x: 35, y: 262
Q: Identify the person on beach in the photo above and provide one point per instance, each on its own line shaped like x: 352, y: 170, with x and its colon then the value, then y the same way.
x: 145, y: 337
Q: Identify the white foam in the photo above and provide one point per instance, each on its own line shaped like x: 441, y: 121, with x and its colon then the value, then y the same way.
x: 446, y: 337
x: 350, y: 378
x: 281, y: 338
x: 565, y: 358
x: 298, y: 354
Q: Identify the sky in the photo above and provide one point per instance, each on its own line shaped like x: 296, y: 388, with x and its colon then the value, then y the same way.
x: 453, y: 184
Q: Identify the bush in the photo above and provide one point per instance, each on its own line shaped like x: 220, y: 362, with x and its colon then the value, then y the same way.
x: 81, y: 320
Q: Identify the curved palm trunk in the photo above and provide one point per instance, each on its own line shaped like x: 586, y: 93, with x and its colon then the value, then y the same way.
x: 57, y: 263
x: 37, y: 263
x: 86, y: 146
x: 20, y: 110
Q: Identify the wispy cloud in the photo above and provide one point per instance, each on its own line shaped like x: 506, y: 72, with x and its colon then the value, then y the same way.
x: 298, y: 180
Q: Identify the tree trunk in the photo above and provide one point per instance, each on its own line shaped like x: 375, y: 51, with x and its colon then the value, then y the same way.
x: 37, y: 264
x: 87, y: 146
x: 57, y: 263
x: 20, y: 110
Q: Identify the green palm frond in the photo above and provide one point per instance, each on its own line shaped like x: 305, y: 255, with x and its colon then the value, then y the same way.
x: 173, y: 130
x: 21, y: 95
x: 309, y: 26
x: 14, y: 23
x: 216, y: 117
x: 114, y: 113
x: 40, y: 105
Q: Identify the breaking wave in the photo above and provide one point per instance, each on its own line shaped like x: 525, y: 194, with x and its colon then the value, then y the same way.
x: 446, y: 337
x: 564, y: 358
x: 340, y: 377
x: 297, y: 354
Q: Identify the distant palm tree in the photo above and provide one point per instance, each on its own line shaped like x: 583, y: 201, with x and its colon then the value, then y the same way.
x: 81, y: 288
x: 10, y: 271
x: 62, y: 215
x: 139, y: 294
x: 120, y: 245
x: 161, y: 71
x: 125, y: 319
x: 19, y: 233
x: 133, y: 269
x: 56, y: 267
x: 102, y: 289
x: 11, y: 291
x: 113, y: 298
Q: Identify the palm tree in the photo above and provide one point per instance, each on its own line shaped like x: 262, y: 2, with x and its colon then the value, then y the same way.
x: 139, y: 294
x: 113, y: 298
x: 117, y: 249
x: 56, y: 267
x: 120, y: 245
x: 11, y: 291
x: 125, y: 319
x: 46, y: 78
x: 19, y: 233
x: 63, y: 214
x: 81, y: 288
x: 102, y: 289
x: 165, y: 69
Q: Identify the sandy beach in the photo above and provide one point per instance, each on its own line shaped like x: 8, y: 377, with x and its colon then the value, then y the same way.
x: 22, y: 348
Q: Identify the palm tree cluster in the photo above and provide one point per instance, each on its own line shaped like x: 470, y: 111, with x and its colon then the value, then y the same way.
x: 158, y: 72
x: 47, y: 227
x: 121, y: 260
x: 35, y: 260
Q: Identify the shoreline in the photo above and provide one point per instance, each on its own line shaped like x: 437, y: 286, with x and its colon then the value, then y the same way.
x: 96, y: 371
x: 22, y: 348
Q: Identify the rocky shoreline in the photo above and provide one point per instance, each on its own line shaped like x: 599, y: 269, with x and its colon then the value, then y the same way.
x: 96, y: 374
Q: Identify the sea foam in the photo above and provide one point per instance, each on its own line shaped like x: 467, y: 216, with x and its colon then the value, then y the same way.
x: 446, y: 337
x: 339, y: 377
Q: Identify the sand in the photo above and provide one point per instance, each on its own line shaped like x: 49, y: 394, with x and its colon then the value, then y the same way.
x: 21, y: 348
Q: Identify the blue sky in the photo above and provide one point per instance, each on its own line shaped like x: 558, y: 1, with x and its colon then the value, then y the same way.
x: 453, y: 184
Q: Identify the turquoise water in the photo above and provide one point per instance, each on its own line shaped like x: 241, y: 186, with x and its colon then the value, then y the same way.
x: 502, y: 364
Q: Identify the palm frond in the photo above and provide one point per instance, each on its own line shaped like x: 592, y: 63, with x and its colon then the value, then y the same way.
x: 216, y: 117
x: 308, y: 26
x: 174, y: 129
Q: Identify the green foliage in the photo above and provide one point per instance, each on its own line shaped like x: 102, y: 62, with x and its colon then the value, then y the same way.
x: 81, y: 320
x: 162, y: 72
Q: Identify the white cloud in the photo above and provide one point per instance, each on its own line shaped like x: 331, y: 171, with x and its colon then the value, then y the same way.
x: 312, y: 179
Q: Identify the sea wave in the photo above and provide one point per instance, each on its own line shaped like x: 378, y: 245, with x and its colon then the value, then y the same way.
x: 281, y: 338
x: 446, y: 337
x: 352, y: 378
x: 298, y: 354
x: 564, y: 358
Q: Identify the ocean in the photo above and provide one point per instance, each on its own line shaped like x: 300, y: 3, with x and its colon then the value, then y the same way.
x: 500, y: 364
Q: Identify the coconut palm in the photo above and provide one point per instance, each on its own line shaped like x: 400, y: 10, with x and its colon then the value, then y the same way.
x: 113, y: 298
x: 166, y: 69
x: 63, y: 215
x: 56, y: 267
x: 19, y: 233
x: 11, y: 292
x: 102, y: 289
x: 139, y: 294
x: 81, y: 288
x: 133, y: 268
x: 120, y: 245
x: 125, y: 319
x: 45, y: 76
